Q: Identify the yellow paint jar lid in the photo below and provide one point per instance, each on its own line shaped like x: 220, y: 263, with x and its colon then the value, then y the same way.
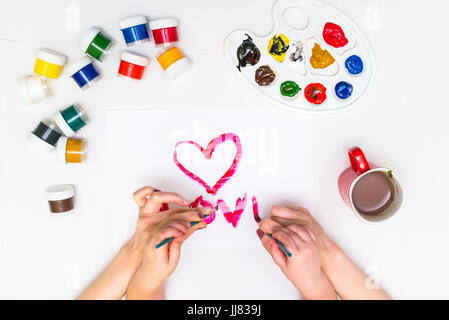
x: 51, y: 56
x: 168, y: 57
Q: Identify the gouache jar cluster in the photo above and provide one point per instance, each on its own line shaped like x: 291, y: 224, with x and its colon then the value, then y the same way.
x: 56, y: 134
x: 138, y: 30
x: 96, y: 45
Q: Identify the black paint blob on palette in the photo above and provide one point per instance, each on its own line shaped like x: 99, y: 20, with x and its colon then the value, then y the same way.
x: 247, y: 53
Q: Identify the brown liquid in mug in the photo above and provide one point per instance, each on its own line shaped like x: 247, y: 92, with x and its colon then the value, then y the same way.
x: 373, y: 193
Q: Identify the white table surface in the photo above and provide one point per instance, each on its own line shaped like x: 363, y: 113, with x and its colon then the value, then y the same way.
x: 401, y: 123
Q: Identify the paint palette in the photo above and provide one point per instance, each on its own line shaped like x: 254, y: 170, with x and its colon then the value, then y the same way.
x: 315, y: 58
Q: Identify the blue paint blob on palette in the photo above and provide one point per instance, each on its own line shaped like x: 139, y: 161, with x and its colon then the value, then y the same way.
x: 311, y: 43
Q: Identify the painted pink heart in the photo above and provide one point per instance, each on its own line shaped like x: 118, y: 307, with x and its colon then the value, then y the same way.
x: 208, y: 152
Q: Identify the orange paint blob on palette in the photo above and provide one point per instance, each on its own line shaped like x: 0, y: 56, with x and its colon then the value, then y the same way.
x: 311, y: 45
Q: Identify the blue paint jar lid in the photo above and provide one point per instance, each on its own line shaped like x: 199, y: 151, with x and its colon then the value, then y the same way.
x: 78, y: 65
x: 132, y: 21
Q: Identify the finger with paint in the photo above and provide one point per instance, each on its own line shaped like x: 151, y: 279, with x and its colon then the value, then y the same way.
x: 260, y: 233
x: 192, y: 224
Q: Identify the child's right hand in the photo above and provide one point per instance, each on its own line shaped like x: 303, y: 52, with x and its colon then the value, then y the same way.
x: 303, y: 268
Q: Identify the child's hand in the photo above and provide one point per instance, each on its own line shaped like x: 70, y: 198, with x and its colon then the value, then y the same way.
x: 303, y: 268
x: 158, y: 264
x: 286, y: 216
x: 150, y: 202
x: 153, y: 226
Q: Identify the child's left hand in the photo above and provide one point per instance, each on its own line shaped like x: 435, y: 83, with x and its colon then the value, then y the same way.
x: 153, y: 226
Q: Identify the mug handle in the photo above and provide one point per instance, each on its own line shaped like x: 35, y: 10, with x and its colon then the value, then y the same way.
x: 358, y: 160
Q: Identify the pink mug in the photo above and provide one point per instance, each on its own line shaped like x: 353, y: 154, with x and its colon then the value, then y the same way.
x: 373, y: 193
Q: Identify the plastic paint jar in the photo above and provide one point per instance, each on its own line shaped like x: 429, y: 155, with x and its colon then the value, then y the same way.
x: 45, y: 135
x: 69, y: 150
x: 83, y: 72
x: 173, y: 62
x: 132, y: 65
x: 71, y: 119
x: 49, y: 63
x: 60, y: 199
x: 96, y: 44
x: 165, y: 31
x: 135, y: 30
x: 33, y: 89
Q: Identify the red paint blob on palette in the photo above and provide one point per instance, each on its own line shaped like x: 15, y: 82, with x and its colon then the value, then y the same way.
x: 334, y: 36
x: 208, y: 152
x: 315, y: 93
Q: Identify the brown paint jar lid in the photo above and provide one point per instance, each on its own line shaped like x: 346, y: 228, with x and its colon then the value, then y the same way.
x: 60, y: 192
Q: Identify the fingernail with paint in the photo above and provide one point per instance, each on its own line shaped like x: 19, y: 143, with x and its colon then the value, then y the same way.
x: 260, y: 233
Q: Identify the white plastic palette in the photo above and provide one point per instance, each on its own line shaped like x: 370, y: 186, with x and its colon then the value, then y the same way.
x: 304, y: 21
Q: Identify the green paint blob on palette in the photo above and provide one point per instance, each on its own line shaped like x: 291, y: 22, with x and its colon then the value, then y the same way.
x: 312, y: 45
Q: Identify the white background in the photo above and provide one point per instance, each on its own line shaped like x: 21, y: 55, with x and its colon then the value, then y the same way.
x: 401, y: 123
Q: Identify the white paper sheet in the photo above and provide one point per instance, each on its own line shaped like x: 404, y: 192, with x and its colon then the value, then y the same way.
x: 276, y: 166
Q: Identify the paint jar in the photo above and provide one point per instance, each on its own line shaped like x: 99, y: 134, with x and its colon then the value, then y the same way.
x: 165, y: 31
x: 132, y: 65
x: 173, y: 62
x: 135, y: 30
x: 71, y: 119
x: 45, y: 135
x: 33, y: 89
x: 61, y: 199
x: 49, y: 63
x: 96, y: 44
x: 83, y: 72
x: 69, y: 150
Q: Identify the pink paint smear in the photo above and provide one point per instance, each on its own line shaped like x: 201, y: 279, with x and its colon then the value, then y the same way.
x: 204, y: 203
x: 256, y: 210
x: 232, y: 217
x: 208, y: 155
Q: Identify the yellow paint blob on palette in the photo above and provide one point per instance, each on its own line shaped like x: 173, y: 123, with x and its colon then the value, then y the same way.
x: 314, y: 59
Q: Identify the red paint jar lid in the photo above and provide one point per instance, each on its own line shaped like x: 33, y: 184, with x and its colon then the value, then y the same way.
x: 163, y: 23
x: 134, y: 58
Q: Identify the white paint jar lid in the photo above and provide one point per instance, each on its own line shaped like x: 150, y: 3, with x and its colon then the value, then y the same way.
x: 60, y: 192
x: 88, y: 37
x: 163, y: 23
x: 132, y: 21
x: 78, y: 65
x: 134, y: 58
x: 177, y: 67
x: 62, y: 124
x: 51, y: 56
x: 61, y: 147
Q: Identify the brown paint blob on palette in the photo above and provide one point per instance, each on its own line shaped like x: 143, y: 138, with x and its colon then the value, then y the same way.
x: 264, y: 76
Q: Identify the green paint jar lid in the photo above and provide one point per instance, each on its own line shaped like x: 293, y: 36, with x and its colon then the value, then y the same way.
x: 88, y: 38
